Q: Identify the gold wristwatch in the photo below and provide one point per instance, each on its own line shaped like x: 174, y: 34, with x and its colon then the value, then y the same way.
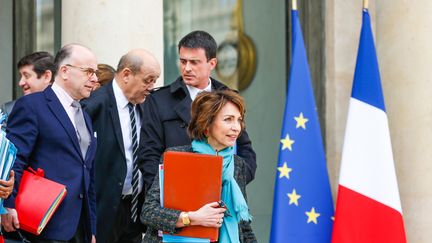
x: 185, y: 219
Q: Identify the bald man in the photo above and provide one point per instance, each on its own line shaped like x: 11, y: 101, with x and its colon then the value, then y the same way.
x: 115, y: 110
x: 52, y: 133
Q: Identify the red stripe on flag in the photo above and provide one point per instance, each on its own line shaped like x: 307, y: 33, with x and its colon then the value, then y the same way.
x: 362, y: 219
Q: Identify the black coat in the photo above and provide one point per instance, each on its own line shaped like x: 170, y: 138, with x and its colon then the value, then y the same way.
x: 110, y: 160
x: 167, y: 113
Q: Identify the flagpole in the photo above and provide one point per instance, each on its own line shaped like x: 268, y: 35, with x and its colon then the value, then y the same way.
x: 294, y: 4
x: 365, y: 4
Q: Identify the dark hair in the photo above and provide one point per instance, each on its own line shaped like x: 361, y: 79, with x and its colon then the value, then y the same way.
x: 62, y: 54
x: 200, y: 39
x: 207, y: 105
x: 41, y: 62
x: 131, y: 61
x: 106, y: 73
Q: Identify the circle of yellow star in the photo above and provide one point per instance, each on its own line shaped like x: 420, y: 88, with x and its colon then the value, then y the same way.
x: 312, y: 216
x: 301, y: 121
x: 287, y: 143
x: 284, y: 171
x: 294, y: 197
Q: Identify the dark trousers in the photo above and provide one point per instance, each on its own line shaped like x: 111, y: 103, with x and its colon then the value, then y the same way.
x: 124, y: 230
x: 79, y: 236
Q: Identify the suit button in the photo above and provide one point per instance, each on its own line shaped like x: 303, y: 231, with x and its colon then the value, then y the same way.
x: 85, y: 167
x: 183, y: 125
x: 81, y: 196
x: 120, y: 184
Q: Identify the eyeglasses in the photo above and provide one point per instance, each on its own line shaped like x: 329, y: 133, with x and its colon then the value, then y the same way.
x: 88, y: 71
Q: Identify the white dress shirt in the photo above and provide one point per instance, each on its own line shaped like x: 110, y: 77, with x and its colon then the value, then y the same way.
x: 125, y: 124
x: 193, y: 91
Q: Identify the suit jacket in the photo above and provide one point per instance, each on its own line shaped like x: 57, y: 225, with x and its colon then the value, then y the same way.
x: 110, y: 158
x: 165, y: 219
x: 46, y: 138
x: 167, y: 115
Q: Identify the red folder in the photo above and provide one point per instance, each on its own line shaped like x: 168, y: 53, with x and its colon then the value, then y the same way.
x: 37, y: 200
x: 191, y: 181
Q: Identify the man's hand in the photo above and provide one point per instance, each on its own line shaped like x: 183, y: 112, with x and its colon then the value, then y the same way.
x: 10, y: 220
x: 93, y: 239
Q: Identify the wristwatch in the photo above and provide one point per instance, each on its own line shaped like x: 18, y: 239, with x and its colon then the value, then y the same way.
x: 185, y: 219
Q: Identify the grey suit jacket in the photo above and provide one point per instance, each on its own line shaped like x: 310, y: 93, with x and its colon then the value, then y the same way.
x: 7, y: 107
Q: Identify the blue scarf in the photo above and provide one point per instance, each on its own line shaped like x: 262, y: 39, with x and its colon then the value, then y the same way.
x: 231, y: 193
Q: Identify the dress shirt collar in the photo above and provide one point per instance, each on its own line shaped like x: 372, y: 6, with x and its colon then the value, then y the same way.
x: 65, y: 99
x: 121, y: 99
x: 193, y: 91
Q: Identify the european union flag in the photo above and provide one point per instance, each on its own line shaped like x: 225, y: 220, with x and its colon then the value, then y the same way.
x: 302, y: 205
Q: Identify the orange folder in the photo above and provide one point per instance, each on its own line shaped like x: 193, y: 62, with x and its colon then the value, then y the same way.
x: 37, y: 200
x: 190, y: 181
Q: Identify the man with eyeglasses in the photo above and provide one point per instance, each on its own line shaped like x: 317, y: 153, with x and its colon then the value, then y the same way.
x: 115, y: 110
x: 52, y: 133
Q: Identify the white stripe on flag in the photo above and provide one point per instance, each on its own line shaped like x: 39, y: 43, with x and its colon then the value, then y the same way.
x: 367, y: 161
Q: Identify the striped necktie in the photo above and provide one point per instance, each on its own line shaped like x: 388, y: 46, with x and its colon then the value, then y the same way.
x: 135, y: 174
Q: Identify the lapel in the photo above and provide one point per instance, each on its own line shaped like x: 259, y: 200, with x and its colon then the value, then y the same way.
x: 59, y: 112
x: 183, y: 107
x: 115, y: 118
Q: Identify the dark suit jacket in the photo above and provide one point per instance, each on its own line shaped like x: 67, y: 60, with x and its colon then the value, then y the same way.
x: 166, y: 118
x: 46, y: 138
x: 110, y: 158
x: 165, y: 219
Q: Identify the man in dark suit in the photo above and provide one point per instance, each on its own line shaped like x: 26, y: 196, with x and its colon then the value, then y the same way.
x: 167, y: 110
x: 52, y: 133
x: 109, y: 110
x: 37, y: 72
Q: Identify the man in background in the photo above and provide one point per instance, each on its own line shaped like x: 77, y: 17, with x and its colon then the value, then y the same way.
x: 115, y: 110
x: 52, y: 133
x: 36, y: 71
x: 167, y: 110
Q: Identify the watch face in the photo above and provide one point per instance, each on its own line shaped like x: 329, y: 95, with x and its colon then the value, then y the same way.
x: 185, y: 219
x: 227, y: 60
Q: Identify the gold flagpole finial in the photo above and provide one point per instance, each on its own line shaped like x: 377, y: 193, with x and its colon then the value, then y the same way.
x: 294, y: 4
x: 365, y: 4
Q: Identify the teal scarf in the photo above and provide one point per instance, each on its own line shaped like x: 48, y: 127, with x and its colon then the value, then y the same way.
x: 231, y: 193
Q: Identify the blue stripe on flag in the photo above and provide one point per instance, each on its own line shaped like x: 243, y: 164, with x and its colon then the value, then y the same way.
x: 367, y: 81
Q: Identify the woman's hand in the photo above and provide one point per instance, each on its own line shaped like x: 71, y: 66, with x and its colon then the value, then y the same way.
x: 210, y: 215
x: 6, y: 187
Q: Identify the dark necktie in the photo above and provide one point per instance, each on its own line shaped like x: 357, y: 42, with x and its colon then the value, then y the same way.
x: 81, y: 128
x: 135, y: 174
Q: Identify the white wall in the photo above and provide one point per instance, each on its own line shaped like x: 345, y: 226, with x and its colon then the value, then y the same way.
x: 112, y: 28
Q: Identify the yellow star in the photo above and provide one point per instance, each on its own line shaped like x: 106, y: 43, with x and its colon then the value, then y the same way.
x: 287, y: 143
x: 284, y: 171
x: 312, y: 216
x: 294, y: 197
x: 301, y: 121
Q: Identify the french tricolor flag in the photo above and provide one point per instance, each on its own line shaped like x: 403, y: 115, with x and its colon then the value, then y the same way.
x: 368, y: 207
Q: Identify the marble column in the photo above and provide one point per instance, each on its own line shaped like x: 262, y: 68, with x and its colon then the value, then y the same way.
x: 404, y: 47
x: 112, y: 28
